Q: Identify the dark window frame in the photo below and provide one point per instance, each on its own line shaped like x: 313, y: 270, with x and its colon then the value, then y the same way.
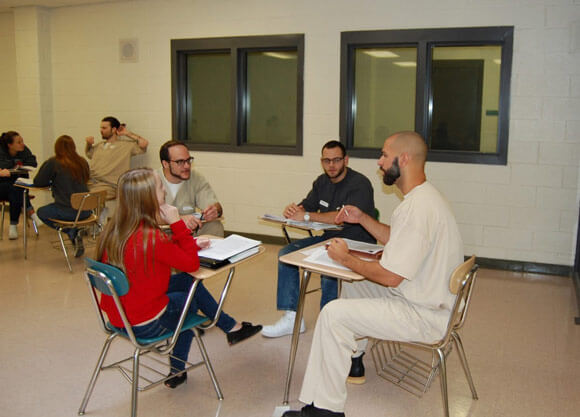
x: 238, y: 47
x: 424, y: 40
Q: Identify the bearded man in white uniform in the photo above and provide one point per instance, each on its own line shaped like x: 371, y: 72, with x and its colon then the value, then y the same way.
x: 405, y: 296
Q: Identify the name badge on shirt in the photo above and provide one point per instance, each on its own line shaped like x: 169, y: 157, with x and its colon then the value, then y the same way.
x: 187, y: 209
x: 323, y: 203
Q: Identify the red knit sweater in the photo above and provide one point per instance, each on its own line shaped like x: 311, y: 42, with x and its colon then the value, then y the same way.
x: 149, y: 278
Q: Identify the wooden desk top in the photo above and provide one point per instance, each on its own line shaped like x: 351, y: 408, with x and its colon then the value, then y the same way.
x: 30, y: 187
x: 296, y: 258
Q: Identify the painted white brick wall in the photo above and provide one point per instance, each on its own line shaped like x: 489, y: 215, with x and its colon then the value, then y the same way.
x: 526, y: 210
x: 9, y: 114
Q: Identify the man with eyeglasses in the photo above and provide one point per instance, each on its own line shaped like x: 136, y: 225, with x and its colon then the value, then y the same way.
x: 189, y: 191
x: 112, y: 157
x: 338, y: 186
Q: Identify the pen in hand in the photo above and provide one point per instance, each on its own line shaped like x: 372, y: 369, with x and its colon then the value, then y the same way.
x: 345, y: 210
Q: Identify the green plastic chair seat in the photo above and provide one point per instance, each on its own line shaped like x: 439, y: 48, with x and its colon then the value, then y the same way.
x: 191, y: 321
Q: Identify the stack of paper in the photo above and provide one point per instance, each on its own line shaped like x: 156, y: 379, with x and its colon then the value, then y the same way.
x: 364, y: 247
x: 233, y: 248
x: 303, y: 224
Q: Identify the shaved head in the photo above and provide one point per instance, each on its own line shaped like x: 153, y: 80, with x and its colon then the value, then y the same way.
x: 411, y: 143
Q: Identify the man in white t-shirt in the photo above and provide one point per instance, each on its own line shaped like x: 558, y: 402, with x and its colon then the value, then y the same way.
x: 405, y: 296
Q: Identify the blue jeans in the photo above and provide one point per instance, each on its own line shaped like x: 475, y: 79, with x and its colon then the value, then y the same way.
x: 289, y: 280
x: 179, y: 286
x: 53, y: 211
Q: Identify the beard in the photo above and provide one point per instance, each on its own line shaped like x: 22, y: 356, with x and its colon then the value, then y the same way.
x: 338, y: 174
x: 182, y: 177
x: 393, y: 173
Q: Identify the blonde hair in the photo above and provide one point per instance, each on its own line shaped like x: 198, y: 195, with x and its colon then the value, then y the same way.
x: 137, y: 206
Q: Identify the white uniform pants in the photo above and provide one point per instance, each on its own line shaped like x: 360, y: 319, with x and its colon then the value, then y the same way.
x: 383, y: 314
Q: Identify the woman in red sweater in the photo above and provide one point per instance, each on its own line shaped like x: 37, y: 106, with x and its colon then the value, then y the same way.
x: 133, y: 242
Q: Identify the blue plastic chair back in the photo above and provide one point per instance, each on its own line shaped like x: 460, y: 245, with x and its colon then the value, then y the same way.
x: 113, y: 273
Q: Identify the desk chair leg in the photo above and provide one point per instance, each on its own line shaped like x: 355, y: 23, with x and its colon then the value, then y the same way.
x: 64, y: 250
x: 464, y: 364
x: 135, y: 383
x: 286, y: 235
x: 296, y: 332
x: 95, y: 375
x: 2, y: 225
x: 443, y: 380
x: 35, y: 227
x: 214, y: 380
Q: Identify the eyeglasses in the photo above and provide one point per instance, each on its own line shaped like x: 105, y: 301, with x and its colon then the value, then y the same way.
x: 327, y: 161
x: 182, y: 162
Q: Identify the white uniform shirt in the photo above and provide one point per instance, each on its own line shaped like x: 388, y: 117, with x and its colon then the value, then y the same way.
x: 424, y: 247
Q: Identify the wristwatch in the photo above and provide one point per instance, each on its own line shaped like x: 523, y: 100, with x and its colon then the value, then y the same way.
x: 306, y: 217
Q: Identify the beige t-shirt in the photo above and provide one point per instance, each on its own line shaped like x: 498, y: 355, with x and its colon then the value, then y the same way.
x: 195, y: 193
x: 109, y: 160
x: 424, y: 247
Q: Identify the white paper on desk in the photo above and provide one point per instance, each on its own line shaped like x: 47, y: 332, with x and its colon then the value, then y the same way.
x: 312, y: 225
x: 24, y: 181
x: 370, y: 248
x: 221, y: 249
x: 320, y: 257
x: 275, y: 218
x: 309, y: 251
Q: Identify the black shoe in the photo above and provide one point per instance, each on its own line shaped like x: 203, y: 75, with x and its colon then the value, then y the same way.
x: 79, y: 246
x: 176, y: 380
x: 312, y: 411
x: 247, y: 330
x: 357, y: 371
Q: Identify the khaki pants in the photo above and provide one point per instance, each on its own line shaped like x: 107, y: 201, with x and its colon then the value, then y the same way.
x: 215, y: 228
x: 383, y: 314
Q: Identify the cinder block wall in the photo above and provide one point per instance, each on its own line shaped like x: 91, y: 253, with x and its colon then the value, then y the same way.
x: 524, y: 211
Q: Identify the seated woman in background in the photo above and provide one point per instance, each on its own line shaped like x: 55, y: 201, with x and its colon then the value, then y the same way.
x: 14, y: 154
x: 66, y: 173
x: 133, y: 242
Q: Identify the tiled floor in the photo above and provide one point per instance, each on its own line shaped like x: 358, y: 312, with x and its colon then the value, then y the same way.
x: 522, y: 345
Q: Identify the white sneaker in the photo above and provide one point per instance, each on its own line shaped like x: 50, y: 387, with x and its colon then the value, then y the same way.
x: 284, y: 326
x: 13, y: 232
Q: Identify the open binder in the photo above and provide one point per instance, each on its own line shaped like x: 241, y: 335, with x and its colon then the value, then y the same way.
x: 226, y: 251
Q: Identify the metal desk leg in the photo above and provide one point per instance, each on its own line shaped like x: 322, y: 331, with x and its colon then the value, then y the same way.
x: 296, y: 333
x: 24, y: 226
x: 286, y: 235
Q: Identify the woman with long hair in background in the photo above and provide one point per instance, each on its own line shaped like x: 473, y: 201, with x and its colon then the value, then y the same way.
x: 66, y: 173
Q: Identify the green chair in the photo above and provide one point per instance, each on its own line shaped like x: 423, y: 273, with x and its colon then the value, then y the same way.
x: 142, y: 374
